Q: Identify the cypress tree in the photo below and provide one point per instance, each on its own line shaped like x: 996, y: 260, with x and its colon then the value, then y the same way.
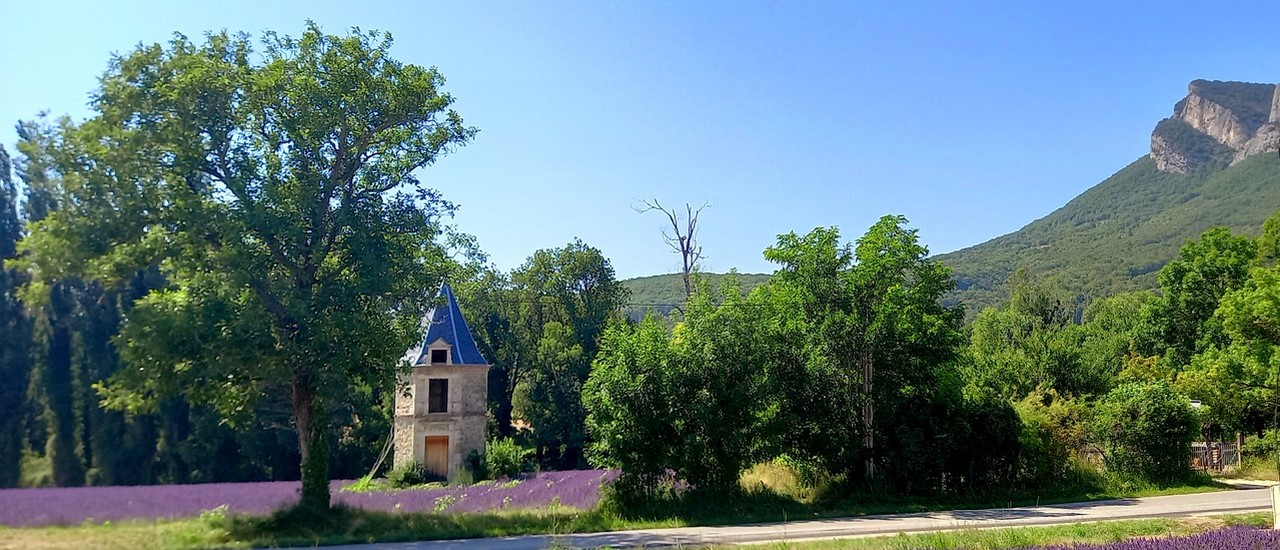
x: 15, y: 325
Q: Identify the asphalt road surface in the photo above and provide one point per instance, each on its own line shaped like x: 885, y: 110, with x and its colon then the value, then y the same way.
x: 1222, y: 502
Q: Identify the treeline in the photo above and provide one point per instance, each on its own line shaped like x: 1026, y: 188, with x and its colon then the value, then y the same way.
x: 539, y: 325
x: 846, y: 367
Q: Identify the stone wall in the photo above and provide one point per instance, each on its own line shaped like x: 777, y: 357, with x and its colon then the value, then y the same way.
x: 464, y: 423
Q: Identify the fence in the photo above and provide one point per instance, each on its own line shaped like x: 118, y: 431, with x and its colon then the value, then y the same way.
x: 1214, y: 457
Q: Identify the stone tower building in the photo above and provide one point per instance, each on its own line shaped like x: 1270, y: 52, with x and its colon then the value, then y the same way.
x: 441, y: 407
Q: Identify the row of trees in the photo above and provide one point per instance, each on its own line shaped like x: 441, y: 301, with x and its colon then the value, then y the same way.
x: 847, y: 364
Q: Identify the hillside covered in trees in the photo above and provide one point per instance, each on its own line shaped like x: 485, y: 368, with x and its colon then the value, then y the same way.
x: 1116, y: 236
x: 663, y: 293
x: 1212, y: 163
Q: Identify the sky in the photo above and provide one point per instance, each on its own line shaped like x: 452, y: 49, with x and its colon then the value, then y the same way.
x: 972, y: 119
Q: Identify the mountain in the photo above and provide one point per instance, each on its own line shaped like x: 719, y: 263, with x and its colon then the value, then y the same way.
x: 663, y: 293
x: 1204, y: 170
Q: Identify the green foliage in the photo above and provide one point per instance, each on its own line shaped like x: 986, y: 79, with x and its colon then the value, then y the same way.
x: 1238, y: 376
x: 662, y: 294
x: 1181, y: 321
x: 700, y: 390
x: 989, y: 457
x: 1054, y: 430
x: 409, y: 475
x: 1115, y: 236
x: 840, y: 331
x: 37, y: 470
x: 16, y: 326
x: 1145, y: 431
x: 297, y: 243
x: 1266, y: 446
x: 1033, y: 343
x: 504, y: 458
x: 560, y: 302
x: 871, y: 344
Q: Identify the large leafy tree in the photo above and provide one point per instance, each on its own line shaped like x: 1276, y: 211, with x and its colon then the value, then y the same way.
x: 1240, y: 381
x: 565, y: 298
x: 876, y: 340
x: 491, y: 305
x: 702, y: 389
x: 275, y: 189
x: 1146, y: 431
x: 1033, y: 342
x: 1180, y: 322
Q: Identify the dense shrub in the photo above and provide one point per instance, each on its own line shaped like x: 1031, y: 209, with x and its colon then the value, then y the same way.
x: 408, y: 475
x: 989, y: 457
x: 686, y: 405
x: 1264, y: 446
x: 1054, y: 430
x: 505, y: 458
x: 1145, y: 431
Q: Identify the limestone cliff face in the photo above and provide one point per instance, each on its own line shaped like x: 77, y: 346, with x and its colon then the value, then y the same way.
x: 1267, y: 137
x: 1218, y: 122
x: 1168, y: 157
x: 1275, y: 106
x: 1214, y: 120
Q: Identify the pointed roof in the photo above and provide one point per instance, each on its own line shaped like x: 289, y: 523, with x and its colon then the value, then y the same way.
x: 445, y: 322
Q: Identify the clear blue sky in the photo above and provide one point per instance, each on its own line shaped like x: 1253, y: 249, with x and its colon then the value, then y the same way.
x: 972, y: 119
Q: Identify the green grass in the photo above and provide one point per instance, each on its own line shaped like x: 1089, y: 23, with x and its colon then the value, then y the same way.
x: 1260, y: 469
x: 353, y: 526
x: 344, y: 525
x: 1017, y: 537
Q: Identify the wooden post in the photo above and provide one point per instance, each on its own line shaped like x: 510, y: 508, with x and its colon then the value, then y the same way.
x: 1275, y: 506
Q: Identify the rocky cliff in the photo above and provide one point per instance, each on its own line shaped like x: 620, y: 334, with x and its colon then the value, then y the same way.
x: 1267, y: 138
x: 1217, y: 123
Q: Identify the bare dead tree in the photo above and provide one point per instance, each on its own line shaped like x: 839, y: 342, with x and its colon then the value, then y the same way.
x: 683, y: 238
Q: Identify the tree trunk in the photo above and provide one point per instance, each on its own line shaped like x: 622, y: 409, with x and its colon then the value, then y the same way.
x: 314, y: 447
x: 68, y: 471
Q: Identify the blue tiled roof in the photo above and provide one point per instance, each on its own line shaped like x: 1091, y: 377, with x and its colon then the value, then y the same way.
x: 446, y: 323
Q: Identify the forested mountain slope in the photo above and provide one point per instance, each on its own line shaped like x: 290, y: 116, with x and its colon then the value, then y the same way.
x: 662, y: 293
x: 1116, y: 236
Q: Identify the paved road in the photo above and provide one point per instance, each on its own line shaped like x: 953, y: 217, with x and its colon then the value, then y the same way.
x: 1244, y: 500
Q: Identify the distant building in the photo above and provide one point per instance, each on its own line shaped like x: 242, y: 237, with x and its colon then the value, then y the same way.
x: 441, y: 407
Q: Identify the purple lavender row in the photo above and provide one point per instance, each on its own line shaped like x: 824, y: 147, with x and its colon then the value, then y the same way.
x: 1234, y: 538
x: 75, y: 505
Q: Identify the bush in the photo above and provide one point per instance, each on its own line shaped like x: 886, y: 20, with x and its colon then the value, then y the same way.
x: 1264, y: 446
x: 408, y: 475
x: 476, y: 465
x: 505, y: 458
x: 1145, y: 431
x: 988, y: 459
x: 1054, y: 430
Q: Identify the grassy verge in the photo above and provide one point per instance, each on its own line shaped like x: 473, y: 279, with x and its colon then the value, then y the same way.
x: 1021, y: 537
x: 1261, y: 469
x: 289, y: 528
x: 353, y: 527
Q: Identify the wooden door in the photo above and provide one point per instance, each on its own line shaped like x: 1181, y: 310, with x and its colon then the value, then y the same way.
x: 437, y: 459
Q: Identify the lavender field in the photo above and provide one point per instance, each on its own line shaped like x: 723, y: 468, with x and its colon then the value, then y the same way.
x: 74, y: 505
x: 1235, y: 538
